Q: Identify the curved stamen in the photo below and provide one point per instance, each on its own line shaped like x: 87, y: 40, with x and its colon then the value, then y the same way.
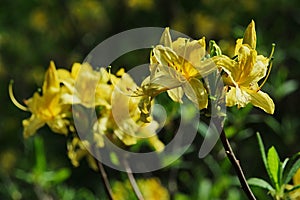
x: 13, y: 99
x: 270, y: 67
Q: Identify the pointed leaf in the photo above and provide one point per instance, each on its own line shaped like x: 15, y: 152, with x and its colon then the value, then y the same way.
x: 288, y: 166
x: 260, y: 183
x: 274, y: 165
x: 61, y: 175
x: 290, y: 171
x: 250, y: 35
x: 264, y: 157
x: 285, y: 162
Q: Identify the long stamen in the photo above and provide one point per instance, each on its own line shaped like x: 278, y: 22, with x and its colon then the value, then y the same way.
x: 13, y: 99
x: 270, y: 67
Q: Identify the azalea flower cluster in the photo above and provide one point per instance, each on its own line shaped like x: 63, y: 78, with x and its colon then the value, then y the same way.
x: 66, y: 94
x: 179, y: 67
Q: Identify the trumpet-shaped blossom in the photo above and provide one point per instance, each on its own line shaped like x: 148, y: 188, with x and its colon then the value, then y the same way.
x: 118, y: 114
x: 121, y: 120
x: 46, y: 108
x: 244, y: 72
x: 85, y: 86
x: 177, y: 67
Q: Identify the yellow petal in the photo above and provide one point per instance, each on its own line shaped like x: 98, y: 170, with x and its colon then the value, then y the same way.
x: 99, y: 140
x: 144, y: 107
x: 246, y: 60
x: 166, y: 56
x: 127, y: 139
x: 250, y: 35
x: 92, y: 162
x: 191, y: 51
x: 156, y: 143
x: 176, y: 94
x: 63, y: 75
x: 229, y: 66
x: 238, y: 45
x: 75, y: 70
x: 206, y: 67
x: 165, y: 39
x: 296, y: 178
x: 167, y: 79
x: 86, y: 83
x: 51, y: 83
x: 59, y: 125
x: 196, y: 92
x: 53, y: 105
x: 103, y: 95
x: 231, y: 97
x: 263, y: 101
x: 104, y: 75
x: 76, y: 151
x: 260, y: 68
x: 237, y: 96
x: 126, y: 84
x: 34, y: 103
x: 31, y: 125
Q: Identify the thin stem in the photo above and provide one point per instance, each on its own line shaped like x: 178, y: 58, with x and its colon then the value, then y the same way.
x: 105, y: 179
x: 133, y: 183
x: 234, y: 161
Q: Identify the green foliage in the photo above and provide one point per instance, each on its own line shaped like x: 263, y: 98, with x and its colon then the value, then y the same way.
x: 280, y: 173
x: 290, y: 168
x: 274, y: 166
x: 33, y: 32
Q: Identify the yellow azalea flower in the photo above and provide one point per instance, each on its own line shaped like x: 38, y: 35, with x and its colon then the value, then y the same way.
x: 91, y: 88
x: 77, y: 150
x: 106, y: 126
x: 151, y: 189
x: 295, y: 194
x: 296, y: 178
x: 244, y: 73
x: 121, y: 120
x: 177, y: 67
x: 46, y: 108
x: 85, y: 86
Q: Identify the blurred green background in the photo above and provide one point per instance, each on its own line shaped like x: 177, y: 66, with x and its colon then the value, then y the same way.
x: 34, y: 32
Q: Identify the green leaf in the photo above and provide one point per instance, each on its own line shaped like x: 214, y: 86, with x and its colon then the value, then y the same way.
x: 286, y: 88
x: 61, y: 175
x: 260, y: 183
x: 274, y: 165
x: 264, y: 157
x: 180, y: 196
x: 114, y: 158
x: 204, y: 189
x: 290, y: 168
x: 285, y: 162
x: 215, y: 50
x: 23, y: 175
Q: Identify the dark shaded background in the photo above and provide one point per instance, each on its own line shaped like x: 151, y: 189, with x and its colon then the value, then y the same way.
x: 33, y: 33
